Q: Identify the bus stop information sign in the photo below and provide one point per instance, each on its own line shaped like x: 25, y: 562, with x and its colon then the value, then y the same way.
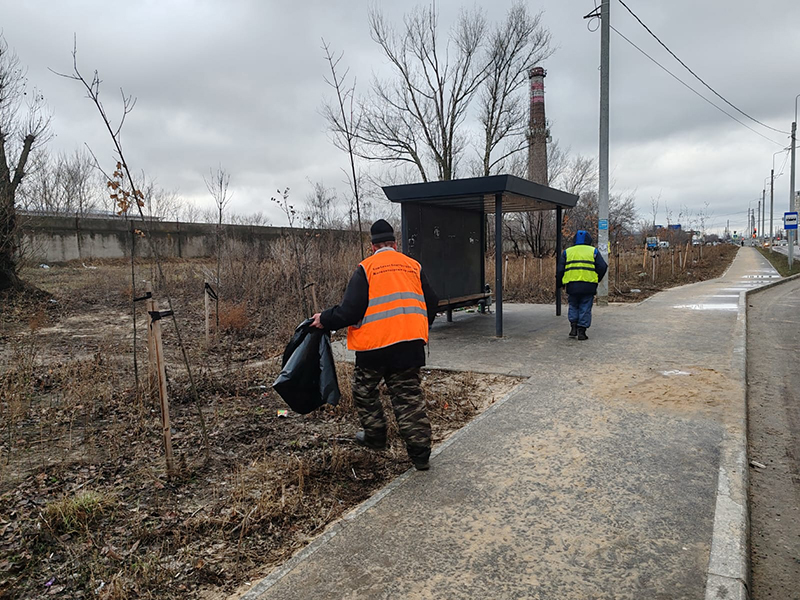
x: 790, y: 220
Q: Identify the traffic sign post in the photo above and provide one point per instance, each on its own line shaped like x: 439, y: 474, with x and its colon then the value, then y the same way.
x: 790, y: 225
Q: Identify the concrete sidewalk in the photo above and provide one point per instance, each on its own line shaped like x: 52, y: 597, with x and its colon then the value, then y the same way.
x: 615, y: 470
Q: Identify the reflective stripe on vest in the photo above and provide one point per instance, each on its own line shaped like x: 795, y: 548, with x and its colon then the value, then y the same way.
x: 396, y: 311
x: 580, y: 265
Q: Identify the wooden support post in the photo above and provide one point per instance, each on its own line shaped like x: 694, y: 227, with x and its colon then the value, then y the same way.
x: 644, y: 258
x: 155, y: 328
x: 505, y: 273
x: 673, y: 261
x: 207, y: 302
x: 152, y: 365
x: 653, y: 260
x: 524, y: 262
x: 314, y: 302
x: 686, y: 256
x: 616, y: 265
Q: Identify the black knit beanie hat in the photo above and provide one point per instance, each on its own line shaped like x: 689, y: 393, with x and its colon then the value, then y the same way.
x: 381, y: 231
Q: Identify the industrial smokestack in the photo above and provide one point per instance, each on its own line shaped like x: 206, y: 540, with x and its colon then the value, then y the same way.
x: 538, y: 132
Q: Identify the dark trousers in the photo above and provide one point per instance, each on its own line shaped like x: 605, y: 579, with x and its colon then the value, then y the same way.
x: 580, y: 309
x: 407, y: 402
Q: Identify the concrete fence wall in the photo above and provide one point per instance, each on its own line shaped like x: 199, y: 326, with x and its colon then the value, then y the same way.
x: 54, y: 239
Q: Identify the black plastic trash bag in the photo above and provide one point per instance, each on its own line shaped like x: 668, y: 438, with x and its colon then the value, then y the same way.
x: 308, y: 377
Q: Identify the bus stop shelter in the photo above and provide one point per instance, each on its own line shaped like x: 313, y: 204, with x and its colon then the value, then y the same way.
x: 444, y: 228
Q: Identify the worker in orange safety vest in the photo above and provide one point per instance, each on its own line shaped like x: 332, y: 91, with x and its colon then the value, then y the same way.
x: 387, y: 308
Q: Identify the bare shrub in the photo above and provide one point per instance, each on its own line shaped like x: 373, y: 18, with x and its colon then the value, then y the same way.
x: 233, y: 316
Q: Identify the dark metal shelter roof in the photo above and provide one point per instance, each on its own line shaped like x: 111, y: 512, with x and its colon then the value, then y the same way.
x: 496, y: 194
x: 479, y: 194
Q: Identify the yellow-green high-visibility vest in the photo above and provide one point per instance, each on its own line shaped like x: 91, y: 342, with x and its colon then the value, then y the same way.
x: 580, y: 265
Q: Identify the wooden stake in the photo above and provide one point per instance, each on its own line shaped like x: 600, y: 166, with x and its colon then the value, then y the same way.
x: 653, y: 259
x: 314, y: 302
x: 616, y: 265
x: 152, y: 365
x: 207, y: 302
x: 524, y: 262
x: 673, y: 262
x: 505, y: 273
x: 155, y: 327
x: 644, y: 258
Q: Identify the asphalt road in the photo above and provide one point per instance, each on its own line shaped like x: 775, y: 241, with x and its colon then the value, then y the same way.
x: 773, y: 342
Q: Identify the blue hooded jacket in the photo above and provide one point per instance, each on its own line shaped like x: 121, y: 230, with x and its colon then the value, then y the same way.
x: 600, y: 267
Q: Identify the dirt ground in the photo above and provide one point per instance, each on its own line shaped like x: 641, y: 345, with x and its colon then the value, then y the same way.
x: 774, y: 441
x: 86, y: 510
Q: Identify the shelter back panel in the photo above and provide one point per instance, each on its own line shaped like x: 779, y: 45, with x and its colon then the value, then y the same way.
x: 448, y: 243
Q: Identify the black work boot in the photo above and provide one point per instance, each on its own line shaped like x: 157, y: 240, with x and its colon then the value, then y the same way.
x: 582, y: 333
x: 419, y: 455
x: 573, y: 330
x: 372, y: 443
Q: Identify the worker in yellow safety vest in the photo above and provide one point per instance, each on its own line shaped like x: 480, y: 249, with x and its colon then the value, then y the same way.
x: 387, y: 308
x: 580, y: 268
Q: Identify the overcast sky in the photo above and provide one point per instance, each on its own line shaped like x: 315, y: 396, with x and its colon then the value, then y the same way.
x: 240, y: 83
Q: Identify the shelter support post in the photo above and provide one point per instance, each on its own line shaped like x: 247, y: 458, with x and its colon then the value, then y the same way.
x: 498, y: 264
x: 558, y: 257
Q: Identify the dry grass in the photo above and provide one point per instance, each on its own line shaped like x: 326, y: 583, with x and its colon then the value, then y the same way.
x: 84, y: 503
x: 77, y: 512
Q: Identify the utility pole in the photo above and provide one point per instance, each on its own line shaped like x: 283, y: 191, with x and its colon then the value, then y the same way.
x: 771, y: 202
x: 790, y: 233
x: 602, y: 232
x: 758, y: 217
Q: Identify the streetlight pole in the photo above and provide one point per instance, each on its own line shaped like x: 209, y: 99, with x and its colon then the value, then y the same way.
x: 772, y: 196
x: 602, y: 195
x: 790, y: 232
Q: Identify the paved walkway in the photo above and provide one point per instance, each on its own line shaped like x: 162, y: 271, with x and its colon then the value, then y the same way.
x: 597, y: 477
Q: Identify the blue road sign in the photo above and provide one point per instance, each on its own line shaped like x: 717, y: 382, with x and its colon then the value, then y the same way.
x: 790, y: 220
x: 602, y: 224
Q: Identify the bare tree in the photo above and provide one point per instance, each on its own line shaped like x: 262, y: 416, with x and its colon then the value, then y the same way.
x: 21, y: 131
x: 344, y: 123
x: 654, y: 203
x: 217, y: 184
x: 515, y: 45
x: 320, y: 210
x: 417, y: 116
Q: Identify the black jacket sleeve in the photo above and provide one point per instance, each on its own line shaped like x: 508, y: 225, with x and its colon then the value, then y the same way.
x: 561, y: 268
x: 353, y: 305
x: 600, y: 266
x: 431, y: 299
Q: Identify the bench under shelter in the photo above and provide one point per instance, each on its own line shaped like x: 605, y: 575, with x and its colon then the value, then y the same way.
x: 444, y: 228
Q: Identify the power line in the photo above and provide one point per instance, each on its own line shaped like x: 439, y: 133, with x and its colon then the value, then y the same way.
x: 694, y: 91
x: 675, y: 56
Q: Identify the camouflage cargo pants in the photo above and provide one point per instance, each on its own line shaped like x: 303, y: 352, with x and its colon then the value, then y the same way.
x: 407, y: 402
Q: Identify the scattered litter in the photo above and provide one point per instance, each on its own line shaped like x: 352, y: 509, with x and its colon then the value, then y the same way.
x: 636, y: 291
x: 51, y: 582
x: 282, y: 412
x: 675, y: 372
x: 89, y: 267
x: 44, y: 266
x: 53, y: 301
x: 757, y: 465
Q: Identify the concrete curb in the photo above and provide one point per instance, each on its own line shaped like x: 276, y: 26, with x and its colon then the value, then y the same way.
x: 334, y: 528
x: 729, y: 560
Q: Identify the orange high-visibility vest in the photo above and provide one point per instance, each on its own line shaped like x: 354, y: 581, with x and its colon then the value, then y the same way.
x: 396, y: 311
